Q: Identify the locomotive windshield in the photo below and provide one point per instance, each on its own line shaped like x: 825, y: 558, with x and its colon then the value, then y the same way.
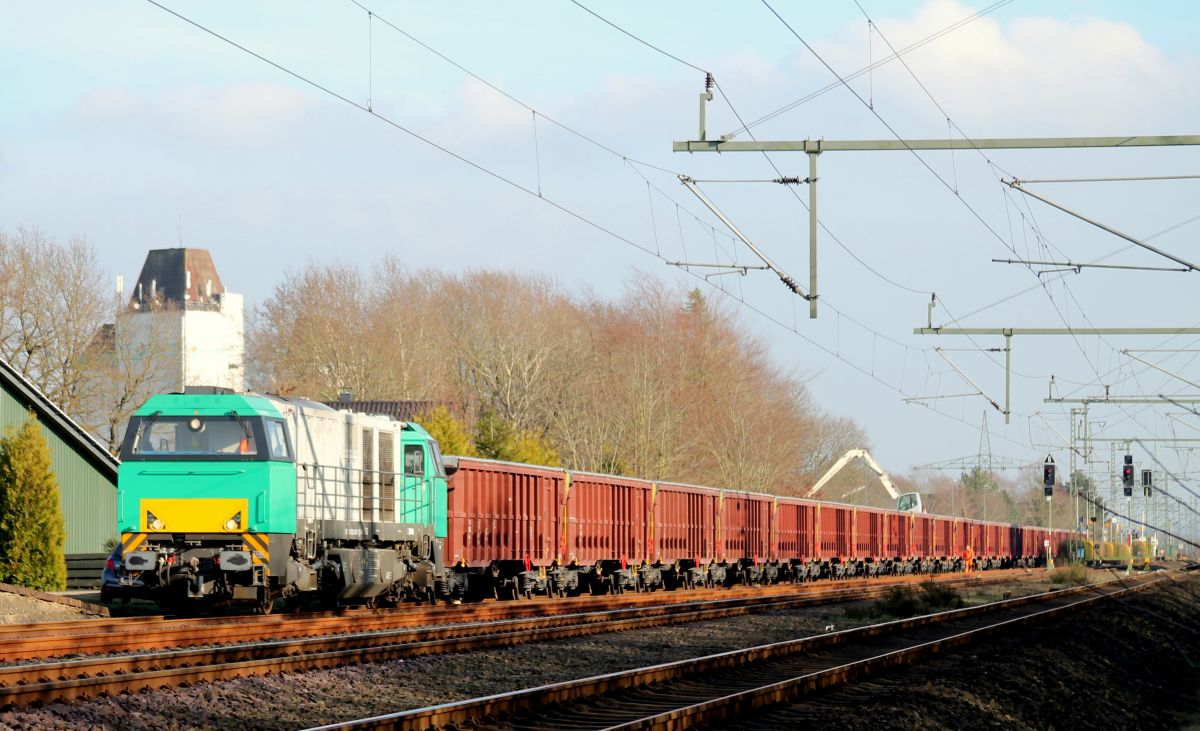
x: 226, y: 437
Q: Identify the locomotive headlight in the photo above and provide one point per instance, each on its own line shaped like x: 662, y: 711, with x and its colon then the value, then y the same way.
x: 235, y: 522
x: 153, y: 522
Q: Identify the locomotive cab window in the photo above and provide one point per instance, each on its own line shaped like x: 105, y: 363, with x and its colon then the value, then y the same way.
x: 414, y: 460
x: 277, y: 441
x: 194, y: 437
x: 439, y: 469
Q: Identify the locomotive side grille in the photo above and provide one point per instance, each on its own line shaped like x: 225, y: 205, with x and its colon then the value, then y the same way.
x: 387, y: 477
x: 368, y: 474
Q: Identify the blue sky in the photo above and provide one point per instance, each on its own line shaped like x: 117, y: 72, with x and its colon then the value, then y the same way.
x: 121, y: 121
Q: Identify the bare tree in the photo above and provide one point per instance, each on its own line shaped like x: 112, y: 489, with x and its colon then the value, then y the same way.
x: 508, y: 341
x: 51, y: 306
x: 313, y: 336
x: 662, y: 384
x: 128, y: 360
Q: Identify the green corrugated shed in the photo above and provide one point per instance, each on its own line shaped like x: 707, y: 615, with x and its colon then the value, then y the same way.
x: 87, y: 473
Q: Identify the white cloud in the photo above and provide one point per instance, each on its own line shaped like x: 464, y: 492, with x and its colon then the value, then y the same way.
x: 479, y: 113
x: 239, y: 114
x: 1082, y: 75
x: 107, y: 105
x: 236, y: 115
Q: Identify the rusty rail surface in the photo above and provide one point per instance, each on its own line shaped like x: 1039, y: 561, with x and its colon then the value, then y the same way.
x: 718, y: 688
x: 22, y: 684
x: 89, y: 637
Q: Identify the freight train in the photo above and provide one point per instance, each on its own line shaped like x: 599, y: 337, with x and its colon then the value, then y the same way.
x: 230, y: 497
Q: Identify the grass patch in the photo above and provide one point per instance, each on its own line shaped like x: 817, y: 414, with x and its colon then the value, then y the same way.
x: 901, y: 602
x: 1075, y: 574
x: 938, y: 597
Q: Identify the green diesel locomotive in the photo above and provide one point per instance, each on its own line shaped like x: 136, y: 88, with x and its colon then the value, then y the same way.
x: 241, y: 497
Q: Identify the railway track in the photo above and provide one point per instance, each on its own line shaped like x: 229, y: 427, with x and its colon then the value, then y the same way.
x: 716, y: 689
x: 89, y: 637
x: 23, y: 684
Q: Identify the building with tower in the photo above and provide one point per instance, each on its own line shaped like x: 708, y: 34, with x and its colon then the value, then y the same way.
x: 180, y: 312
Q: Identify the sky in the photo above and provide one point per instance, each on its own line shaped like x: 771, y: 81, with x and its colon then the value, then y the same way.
x: 537, y: 137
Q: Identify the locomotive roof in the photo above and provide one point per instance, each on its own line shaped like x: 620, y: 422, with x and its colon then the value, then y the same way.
x: 209, y: 403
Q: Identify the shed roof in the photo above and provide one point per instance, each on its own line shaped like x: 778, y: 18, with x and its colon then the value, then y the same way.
x: 398, y: 410
x: 54, y: 418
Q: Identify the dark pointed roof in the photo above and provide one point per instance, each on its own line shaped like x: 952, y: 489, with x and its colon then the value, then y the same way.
x: 165, y: 273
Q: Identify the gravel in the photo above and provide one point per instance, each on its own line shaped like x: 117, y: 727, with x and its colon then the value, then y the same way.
x: 1118, y: 666
x: 17, y: 609
x: 306, y: 699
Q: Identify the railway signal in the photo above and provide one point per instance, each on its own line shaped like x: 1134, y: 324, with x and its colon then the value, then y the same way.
x: 1048, y: 475
x: 1147, y: 482
x: 1127, y: 475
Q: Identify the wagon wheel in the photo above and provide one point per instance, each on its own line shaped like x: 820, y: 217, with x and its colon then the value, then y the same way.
x: 372, y: 602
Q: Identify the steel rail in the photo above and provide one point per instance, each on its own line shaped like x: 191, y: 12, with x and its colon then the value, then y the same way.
x: 720, y: 704
x: 44, y: 682
x: 89, y: 637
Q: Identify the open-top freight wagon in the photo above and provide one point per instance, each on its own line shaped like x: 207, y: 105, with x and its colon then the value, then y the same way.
x: 535, y: 530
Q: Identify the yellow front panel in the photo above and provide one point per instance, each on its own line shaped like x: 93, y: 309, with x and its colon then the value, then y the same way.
x: 194, y: 515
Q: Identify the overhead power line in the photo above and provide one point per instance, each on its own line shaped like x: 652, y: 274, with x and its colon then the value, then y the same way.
x: 1026, y: 181
x: 709, y: 76
x: 505, y: 94
x: 533, y: 193
x: 1076, y: 266
x: 870, y: 67
x: 1017, y: 185
x: 821, y: 223
x: 967, y: 141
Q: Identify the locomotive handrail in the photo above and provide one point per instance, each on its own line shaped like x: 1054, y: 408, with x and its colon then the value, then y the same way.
x: 339, y: 491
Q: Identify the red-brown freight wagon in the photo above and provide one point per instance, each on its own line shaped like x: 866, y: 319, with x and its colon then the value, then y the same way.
x: 517, y: 529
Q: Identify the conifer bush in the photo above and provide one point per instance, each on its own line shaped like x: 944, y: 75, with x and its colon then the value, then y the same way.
x: 451, y: 434
x: 32, y: 534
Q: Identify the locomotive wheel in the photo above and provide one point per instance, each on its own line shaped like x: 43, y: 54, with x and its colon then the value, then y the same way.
x: 265, y: 601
